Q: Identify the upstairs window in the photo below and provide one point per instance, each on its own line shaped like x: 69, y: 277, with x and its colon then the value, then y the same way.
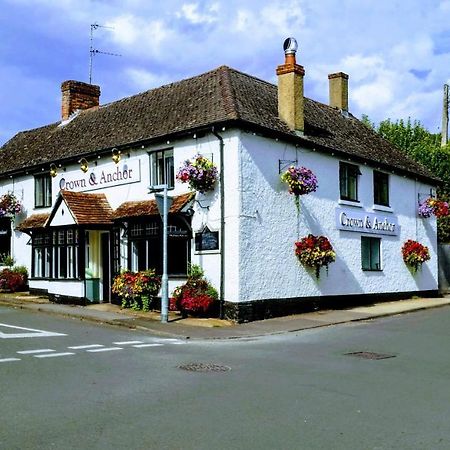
x: 161, y: 168
x: 348, y: 181
x: 380, y: 188
x: 42, y: 191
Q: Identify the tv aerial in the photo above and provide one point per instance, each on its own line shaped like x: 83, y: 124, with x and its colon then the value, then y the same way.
x: 93, y: 51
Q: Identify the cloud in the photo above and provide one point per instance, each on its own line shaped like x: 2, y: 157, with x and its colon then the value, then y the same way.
x: 143, y: 79
x: 191, y: 13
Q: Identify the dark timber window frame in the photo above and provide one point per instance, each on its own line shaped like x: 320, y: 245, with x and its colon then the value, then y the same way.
x: 348, y: 181
x: 380, y: 188
x: 371, y: 254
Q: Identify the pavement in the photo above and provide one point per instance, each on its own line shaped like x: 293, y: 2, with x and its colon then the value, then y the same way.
x: 196, y: 328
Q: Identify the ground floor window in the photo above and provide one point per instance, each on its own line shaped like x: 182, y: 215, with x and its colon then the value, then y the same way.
x: 371, y: 253
x: 5, y: 237
x: 55, y: 254
x: 145, y: 246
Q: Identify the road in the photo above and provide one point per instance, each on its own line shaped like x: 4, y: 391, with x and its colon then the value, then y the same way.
x: 68, y: 384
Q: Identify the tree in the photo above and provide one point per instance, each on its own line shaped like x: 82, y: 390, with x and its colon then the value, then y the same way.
x: 425, y: 148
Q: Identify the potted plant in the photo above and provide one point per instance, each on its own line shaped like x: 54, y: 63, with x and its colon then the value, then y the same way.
x: 315, y: 251
x: 9, y: 205
x: 415, y: 254
x: 196, y: 297
x: 301, y: 181
x: 432, y: 206
x: 200, y: 173
x: 136, y: 289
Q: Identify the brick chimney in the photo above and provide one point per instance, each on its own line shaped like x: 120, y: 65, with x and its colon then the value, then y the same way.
x: 339, y: 90
x: 77, y: 95
x: 290, y: 88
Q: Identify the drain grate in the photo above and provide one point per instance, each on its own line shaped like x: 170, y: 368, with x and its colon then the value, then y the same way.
x: 370, y: 355
x: 204, y: 367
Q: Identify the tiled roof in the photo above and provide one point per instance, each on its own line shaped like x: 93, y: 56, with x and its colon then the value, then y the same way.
x: 221, y: 96
x: 88, y: 209
x: 34, y: 221
x: 149, y: 207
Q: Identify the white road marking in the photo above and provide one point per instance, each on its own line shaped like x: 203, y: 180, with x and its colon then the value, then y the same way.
x: 127, y: 342
x: 108, y: 349
x: 177, y: 343
x: 41, y: 350
x: 34, y: 333
x: 9, y: 359
x: 147, y: 345
x: 82, y: 347
x: 54, y: 355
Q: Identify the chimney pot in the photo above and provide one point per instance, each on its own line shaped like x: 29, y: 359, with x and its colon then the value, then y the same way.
x: 77, y: 95
x: 290, y: 88
x: 338, y: 88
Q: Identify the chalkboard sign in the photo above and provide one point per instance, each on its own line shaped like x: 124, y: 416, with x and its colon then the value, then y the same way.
x: 207, y: 240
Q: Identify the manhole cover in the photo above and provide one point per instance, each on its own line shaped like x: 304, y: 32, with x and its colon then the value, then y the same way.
x: 370, y: 355
x: 204, y: 367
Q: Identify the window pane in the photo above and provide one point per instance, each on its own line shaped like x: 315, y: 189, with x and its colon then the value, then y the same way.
x: 348, y: 181
x: 370, y: 253
x: 381, y: 188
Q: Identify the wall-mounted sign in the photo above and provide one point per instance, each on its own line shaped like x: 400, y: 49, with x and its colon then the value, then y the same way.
x: 109, y: 175
x: 364, y: 222
x: 206, y: 240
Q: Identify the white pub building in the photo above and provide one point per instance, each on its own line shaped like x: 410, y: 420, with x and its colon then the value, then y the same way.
x: 87, y: 212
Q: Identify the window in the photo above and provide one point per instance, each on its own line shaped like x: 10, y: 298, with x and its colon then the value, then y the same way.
x: 42, y: 255
x: 348, y: 181
x: 145, y: 246
x: 5, y: 236
x: 42, y: 191
x: 161, y: 168
x: 380, y: 188
x: 370, y: 253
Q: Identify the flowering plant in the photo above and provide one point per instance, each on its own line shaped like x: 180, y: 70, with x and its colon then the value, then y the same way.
x: 135, y: 288
x: 414, y: 254
x: 9, y: 204
x: 433, y: 206
x: 200, y: 173
x: 300, y: 180
x: 315, y: 251
x: 197, y: 296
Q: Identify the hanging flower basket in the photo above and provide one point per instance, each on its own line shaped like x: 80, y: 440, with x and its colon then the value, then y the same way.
x: 415, y: 254
x: 9, y: 205
x: 315, y: 251
x: 432, y: 206
x: 301, y: 181
x: 199, y: 172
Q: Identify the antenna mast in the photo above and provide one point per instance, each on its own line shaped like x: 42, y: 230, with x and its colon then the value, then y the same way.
x: 93, y: 51
x: 444, y: 135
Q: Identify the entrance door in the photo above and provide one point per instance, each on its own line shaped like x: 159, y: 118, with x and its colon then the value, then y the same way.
x: 105, y: 270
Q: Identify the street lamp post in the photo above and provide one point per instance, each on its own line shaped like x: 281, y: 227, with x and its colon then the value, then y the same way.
x: 163, y: 202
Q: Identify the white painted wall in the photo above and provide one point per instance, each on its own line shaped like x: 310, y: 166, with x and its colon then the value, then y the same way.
x: 269, y: 226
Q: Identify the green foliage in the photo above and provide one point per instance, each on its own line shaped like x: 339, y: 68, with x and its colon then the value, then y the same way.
x: 7, y: 260
x: 195, y: 271
x: 425, y: 148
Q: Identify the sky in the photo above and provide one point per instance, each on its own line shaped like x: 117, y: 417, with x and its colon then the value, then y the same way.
x: 396, y: 52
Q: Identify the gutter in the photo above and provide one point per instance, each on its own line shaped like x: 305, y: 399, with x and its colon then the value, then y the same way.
x: 222, y: 226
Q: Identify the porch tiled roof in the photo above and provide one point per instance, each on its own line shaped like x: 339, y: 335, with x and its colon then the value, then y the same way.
x: 87, y: 208
x: 34, y: 221
x: 149, y: 207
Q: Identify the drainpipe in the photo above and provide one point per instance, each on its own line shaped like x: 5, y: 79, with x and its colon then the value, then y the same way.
x: 222, y: 227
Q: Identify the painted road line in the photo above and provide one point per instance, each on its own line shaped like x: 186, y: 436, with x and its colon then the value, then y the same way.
x: 108, y: 349
x: 34, y: 333
x: 147, y: 345
x: 9, y: 359
x: 41, y: 350
x: 83, y: 347
x: 127, y: 342
x: 53, y: 355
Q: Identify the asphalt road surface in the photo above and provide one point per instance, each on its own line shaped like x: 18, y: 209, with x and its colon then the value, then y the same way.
x: 68, y: 384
